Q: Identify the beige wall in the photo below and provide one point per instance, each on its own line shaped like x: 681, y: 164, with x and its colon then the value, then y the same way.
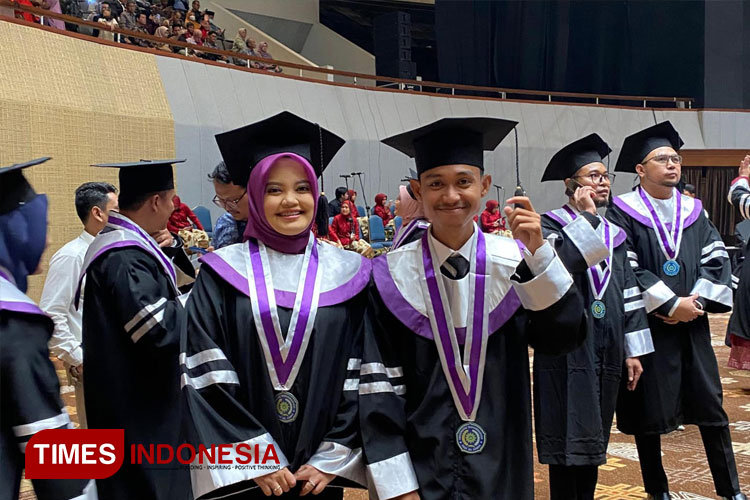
x: 80, y: 103
x: 306, y: 11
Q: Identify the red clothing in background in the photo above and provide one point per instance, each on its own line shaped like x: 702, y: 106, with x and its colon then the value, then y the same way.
x: 382, y: 211
x: 344, y: 226
x: 181, y: 217
x: 490, y: 217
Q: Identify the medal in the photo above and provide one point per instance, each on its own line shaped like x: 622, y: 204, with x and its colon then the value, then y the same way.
x: 669, y: 242
x: 286, y: 407
x: 471, y: 438
x: 671, y: 267
x: 598, y: 309
x: 283, y: 355
x: 464, y: 376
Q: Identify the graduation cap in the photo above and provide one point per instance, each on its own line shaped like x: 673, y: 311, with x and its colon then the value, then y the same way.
x: 636, y: 147
x: 143, y: 177
x: 566, y: 162
x: 452, y: 141
x: 15, y: 190
x: 244, y: 147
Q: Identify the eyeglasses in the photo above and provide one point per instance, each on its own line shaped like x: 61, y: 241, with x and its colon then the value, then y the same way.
x: 663, y: 159
x: 228, y: 204
x: 598, y: 177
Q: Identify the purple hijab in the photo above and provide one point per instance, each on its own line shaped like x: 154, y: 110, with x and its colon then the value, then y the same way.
x: 258, y: 226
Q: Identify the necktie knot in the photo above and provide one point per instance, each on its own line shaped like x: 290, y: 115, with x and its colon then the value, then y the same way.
x: 455, y: 267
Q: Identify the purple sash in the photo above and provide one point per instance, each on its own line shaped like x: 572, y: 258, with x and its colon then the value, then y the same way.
x: 464, y: 378
x: 283, y: 355
x: 669, y: 241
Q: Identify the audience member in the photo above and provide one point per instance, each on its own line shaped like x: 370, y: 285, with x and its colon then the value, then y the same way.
x: 381, y: 208
x: 54, y: 7
x: 346, y: 229
x: 163, y: 9
x: 187, y: 226
x: 195, y: 10
x: 491, y: 220
x: 106, y: 18
x: 334, y: 207
x: 232, y: 198
x: 689, y: 190
x: 240, y: 44
x: 205, y: 27
x: 93, y: 201
x: 180, y: 5
x: 263, y: 52
x: 25, y: 15
x: 141, y: 26
x: 177, y: 19
x: 352, y: 194
x: 211, y: 42
x: 321, y: 227
x: 162, y: 32
x: 219, y: 31
x: 128, y: 19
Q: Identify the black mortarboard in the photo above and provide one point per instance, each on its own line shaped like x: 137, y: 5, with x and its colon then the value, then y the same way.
x: 452, y: 141
x: 14, y: 188
x: 244, y: 147
x: 566, y: 162
x: 637, y: 146
x: 143, y: 177
x: 412, y: 175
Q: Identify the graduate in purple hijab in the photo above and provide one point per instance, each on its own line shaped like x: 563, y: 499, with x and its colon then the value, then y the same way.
x: 272, y: 351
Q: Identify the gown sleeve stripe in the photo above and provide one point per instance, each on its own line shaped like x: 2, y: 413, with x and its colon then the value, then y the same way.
x: 716, y: 254
x: 372, y: 368
x: 335, y: 458
x: 631, y: 292
x: 202, y: 357
x: 657, y: 295
x: 210, y: 378
x: 735, y: 282
x: 393, y: 476
x: 351, y: 384
x: 148, y: 325
x: 144, y: 313
x: 587, y: 241
x: 380, y: 387
x: 354, y: 364
x: 638, y: 343
x: 62, y: 419
x: 711, y: 247
x: 712, y: 291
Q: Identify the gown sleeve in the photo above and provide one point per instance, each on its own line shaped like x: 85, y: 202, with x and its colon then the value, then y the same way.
x: 739, y: 196
x: 209, y: 386
x: 714, y: 284
x: 638, y: 341
x: 340, y: 452
x: 381, y: 403
x: 31, y: 398
x: 150, y: 320
x: 554, y: 307
x: 577, y: 243
x: 657, y: 296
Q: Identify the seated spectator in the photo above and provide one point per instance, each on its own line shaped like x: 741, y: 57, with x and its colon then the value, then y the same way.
x: 54, y: 7
x: 491, y: 220
x: 219, y: 31
x: 352, y: 196
x: 185, y: 35
x: 187, y: 226
x: 205, y: 27
x: 177, y: 19
x: 346, y: 229
x: 128, y: 19
x: 240, y: 41
x: 163, y: 8
x: 196, y: 39
x: 334, y: 207
x: 211, y: 42
x: 141, y: 27
x: 381, y: 208
x: 263, y: 52
x: 407, y: 207
x: 229, y: 227
x: 25, y: 15
x: 162, y: 32
x: 180, y: 5
x: 195, y: 10
x: 108, y: 19
x: 250, y: 51
x: 321, y: 228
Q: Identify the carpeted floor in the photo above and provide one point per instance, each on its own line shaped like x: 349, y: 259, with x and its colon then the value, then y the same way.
x: 620, y: 478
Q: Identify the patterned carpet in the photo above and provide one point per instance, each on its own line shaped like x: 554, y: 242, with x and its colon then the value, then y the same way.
x: 620, y: 479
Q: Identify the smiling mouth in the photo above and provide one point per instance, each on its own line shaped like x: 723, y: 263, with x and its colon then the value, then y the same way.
x: 451, y: 209
x: 290, y: 215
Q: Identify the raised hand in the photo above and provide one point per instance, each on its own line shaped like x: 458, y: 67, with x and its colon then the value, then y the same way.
x: 525, y: 223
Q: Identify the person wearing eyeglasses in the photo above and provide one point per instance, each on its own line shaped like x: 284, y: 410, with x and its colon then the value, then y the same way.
x: 682, y: 268
x: 232, y: 198
x: 575, y: 395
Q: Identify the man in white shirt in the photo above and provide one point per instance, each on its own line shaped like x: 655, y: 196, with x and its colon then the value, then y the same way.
x: 94, y: 201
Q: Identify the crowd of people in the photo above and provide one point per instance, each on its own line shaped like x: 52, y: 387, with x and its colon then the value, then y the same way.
x: 167, y: 19
x: 407, y: 374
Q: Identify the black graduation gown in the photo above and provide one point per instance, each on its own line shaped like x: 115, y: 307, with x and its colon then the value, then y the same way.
x: 131, y: 324
x: 739, y: 322
x: 30, y: 396
x: 410, y: 232
x: 680, y: 382
x: 407, y: 412
x: 230, y: 398
x: 575, y: 395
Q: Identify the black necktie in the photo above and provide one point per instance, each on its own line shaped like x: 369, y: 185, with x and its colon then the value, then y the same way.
x: 455, y: 267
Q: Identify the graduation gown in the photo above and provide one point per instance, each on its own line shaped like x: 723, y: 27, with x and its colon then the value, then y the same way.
x: 739, y: 322
x: 410, y: 232
x: 30, y: 394
x: 575, y: 395
x: 225, y: 375
x: 131, y: 326
x: 680, y: 382
x: 407, y: 412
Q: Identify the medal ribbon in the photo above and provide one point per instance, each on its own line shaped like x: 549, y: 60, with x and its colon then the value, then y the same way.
x: 464, y: 377
x: 116, y: 221
x: 669, y: 242
x: 599, y: 278
x: 283, y: 356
